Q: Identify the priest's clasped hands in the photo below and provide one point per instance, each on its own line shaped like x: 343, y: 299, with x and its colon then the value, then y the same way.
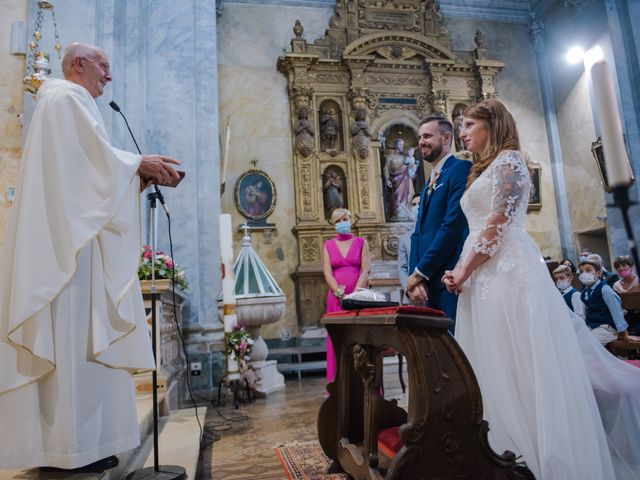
x: 157, y: 169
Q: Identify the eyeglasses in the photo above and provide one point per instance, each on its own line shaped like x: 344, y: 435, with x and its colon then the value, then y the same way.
x: 104, y: 66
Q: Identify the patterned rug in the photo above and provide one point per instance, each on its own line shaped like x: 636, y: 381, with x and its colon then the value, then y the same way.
x: 306, y: 461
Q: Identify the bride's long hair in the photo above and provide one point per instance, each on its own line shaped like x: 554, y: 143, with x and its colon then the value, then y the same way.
x: 503, y: 134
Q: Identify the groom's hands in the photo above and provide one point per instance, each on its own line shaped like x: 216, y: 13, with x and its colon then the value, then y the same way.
x: 417, y: 290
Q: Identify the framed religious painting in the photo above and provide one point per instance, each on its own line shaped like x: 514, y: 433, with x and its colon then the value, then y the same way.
x: 597, y: 150
x: 535, y: 195
x: 255, y: 195
x: 598, y: 155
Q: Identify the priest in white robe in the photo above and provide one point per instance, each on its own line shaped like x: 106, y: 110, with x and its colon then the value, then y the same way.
x: 72, y: 321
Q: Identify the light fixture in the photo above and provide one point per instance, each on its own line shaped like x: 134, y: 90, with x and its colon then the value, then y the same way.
x: 593, y: 55
x: 574, y: 55
x: 38, y: 66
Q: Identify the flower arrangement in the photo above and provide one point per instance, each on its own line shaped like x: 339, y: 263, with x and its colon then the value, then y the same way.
x: 238, y: 346
x: 164, y: 267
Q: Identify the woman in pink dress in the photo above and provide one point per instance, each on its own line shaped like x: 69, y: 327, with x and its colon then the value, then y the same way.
x: 346, y: 267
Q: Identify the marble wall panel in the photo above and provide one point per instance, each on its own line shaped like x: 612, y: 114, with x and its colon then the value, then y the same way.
x: 164, y: 68
x: 11, y: 74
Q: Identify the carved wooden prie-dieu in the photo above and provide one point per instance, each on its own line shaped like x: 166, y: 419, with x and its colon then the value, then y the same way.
x: 380, y: 64
x: 444, y: 434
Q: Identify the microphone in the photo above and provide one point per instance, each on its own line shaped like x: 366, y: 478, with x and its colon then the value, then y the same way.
x: 116, y: 108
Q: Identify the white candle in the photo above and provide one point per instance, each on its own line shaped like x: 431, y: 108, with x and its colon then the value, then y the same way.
x: 228, y: 287
x: 615, y: 154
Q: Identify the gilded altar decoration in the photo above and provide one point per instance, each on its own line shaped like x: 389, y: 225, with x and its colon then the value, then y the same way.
x: 380, y: 68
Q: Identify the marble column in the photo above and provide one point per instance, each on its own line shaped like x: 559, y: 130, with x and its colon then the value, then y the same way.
x: 625, y: 40
x: 163, y: 57
x: 553, y: 137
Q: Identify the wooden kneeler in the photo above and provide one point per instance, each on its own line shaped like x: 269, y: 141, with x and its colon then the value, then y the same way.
x: 443, y: 434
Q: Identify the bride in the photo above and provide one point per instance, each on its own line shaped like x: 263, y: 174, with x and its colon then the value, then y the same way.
x: 550, y: 391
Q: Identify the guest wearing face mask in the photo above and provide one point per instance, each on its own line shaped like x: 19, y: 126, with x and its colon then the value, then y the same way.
x: 563, y: 276
x: 346, y: 267
x: 603, y: 309
x: 628, y: 282
x: 404, y: 249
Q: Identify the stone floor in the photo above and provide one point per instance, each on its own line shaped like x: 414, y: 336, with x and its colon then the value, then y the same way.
x: 246, y: 438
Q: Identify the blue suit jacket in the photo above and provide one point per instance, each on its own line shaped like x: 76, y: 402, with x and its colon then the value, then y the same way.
x: 440, y: 232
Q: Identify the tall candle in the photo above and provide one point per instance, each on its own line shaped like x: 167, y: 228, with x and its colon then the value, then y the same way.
x: 615, y: 154
x: 228, y: 287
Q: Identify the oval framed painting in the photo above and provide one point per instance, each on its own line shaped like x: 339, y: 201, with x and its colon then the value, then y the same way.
x: 255, y: 194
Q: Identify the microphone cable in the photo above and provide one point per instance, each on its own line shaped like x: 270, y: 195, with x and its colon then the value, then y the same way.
x: 116, y: 108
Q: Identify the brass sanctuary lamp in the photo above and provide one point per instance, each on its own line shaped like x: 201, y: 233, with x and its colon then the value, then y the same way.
x: 38, y: 66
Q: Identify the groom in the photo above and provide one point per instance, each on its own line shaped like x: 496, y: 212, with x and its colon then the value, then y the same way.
x: 441, y: 227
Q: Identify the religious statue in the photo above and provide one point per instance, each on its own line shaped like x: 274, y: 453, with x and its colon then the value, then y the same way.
x: 305, y: 133
x: 332, y: 192
x: 479, y: 39
x: 361, y: 134
x: 328, y: 130
x: 397, y: 175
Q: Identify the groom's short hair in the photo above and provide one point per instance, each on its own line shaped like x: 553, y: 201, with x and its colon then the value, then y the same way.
x: 444, y: 125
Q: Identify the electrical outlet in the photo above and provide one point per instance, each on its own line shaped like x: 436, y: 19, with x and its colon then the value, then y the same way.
x: 11, y: 193
x: 196, y: 369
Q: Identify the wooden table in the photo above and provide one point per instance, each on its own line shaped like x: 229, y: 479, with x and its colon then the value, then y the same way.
x: 443, y: 431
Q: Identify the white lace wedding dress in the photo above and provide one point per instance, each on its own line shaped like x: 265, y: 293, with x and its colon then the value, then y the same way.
x: 551, y: 392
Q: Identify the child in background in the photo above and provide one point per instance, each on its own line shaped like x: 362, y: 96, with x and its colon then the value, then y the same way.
x: 563, y: 276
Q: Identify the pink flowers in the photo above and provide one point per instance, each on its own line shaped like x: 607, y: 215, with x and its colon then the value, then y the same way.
x: 163, y: 267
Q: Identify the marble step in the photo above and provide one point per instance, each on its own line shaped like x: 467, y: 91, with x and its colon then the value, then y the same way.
x: 178, y: 445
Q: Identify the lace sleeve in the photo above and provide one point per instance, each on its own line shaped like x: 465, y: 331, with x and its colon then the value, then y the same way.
x: 510, y: 196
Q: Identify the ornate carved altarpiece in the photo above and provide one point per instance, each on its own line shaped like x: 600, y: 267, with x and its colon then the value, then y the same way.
x: 381, y: 64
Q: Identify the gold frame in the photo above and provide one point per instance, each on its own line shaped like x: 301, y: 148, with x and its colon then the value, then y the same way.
x: 535, y: 169
x: 237, y: 193
x: 598, y: 156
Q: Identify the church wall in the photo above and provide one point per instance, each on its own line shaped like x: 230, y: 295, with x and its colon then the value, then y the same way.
x: 11, y: 74
x: 253, y: 96
x: 517, y: 86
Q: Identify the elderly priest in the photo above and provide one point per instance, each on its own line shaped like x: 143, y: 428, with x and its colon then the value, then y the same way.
x: 72, y: 321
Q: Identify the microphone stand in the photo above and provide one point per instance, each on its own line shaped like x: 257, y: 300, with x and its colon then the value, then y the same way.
x: 158, y: 472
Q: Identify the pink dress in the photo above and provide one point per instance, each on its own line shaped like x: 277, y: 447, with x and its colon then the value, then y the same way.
x: 346, y: 270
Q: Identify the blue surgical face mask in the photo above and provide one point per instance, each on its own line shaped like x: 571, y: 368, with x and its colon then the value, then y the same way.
x: 583, y: 258
x: 343, y: 227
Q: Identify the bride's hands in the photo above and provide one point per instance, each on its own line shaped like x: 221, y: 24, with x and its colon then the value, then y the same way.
x: 454, y: 279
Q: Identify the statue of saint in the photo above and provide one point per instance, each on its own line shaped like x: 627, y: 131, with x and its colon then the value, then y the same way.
x: 305, y: 133
x: 457, y: 128
x: 332, y: 192
x: 397, y: 175
x: 328, y: 130
x: 361, y: 134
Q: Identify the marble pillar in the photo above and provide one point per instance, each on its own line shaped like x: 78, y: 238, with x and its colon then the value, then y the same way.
x: 163, y: 59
